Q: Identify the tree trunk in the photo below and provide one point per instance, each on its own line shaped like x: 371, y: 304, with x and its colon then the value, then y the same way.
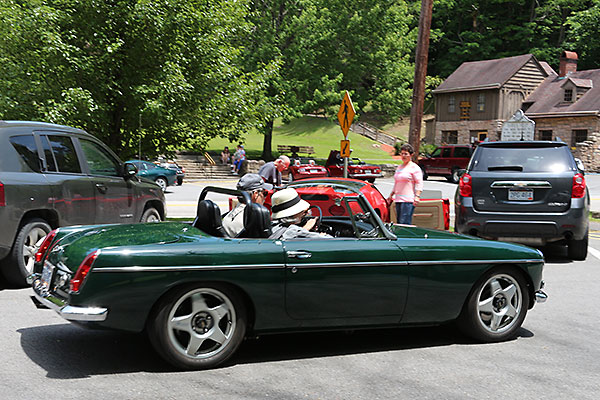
x: 268, y: 132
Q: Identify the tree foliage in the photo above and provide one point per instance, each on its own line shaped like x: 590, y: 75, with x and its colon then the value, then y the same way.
x: 161, y: 71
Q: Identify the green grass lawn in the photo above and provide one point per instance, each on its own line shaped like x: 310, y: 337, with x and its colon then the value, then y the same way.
x: 320, y: 133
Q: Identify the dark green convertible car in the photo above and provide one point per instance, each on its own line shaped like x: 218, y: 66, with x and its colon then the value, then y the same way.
x: 198, y: 294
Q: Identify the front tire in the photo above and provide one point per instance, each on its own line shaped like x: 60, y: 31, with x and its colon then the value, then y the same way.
x: 198, y: 326
x: 151, y: 215
x: 578, y: 249
x: 19, y: 264
x: 424, y: 171
x: 496, y: 307
x: 454, y: 176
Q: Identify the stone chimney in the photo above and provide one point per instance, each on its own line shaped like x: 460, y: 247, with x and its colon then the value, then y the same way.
x: 568, y: 63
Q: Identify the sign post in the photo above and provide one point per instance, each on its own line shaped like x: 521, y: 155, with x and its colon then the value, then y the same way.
x: 345, y: 116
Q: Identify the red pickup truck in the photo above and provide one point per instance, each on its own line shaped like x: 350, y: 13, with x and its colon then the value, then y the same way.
x: 446, y: 161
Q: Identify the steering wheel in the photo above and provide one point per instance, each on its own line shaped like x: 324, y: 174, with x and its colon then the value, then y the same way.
x: 319, y: 218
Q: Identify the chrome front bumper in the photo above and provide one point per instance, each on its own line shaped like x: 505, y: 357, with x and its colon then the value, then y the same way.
x: 70, y: 313
x: 540, y: 296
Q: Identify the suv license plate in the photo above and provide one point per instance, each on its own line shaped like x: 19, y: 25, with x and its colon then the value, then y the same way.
x: 47, y: 275
x: 520, y: 195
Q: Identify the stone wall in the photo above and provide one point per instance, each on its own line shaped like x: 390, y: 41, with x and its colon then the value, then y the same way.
x: 589, y: 152
x: 563, y: 127
x: 464, y: 128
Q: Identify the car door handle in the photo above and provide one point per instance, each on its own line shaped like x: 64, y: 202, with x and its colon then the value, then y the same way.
x: 299, y: 254
x: 101, y: 188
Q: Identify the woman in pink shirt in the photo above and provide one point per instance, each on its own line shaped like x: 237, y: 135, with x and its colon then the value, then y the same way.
x: 408, y: 185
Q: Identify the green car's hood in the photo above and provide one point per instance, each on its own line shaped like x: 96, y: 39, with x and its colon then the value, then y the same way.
x: 76, y: 243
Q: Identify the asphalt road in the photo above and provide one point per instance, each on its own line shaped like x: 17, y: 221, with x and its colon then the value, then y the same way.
x: 555, y: 356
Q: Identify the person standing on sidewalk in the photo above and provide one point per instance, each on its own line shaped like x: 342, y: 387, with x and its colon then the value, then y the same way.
x: 271, y: 171
x: 408, y: 185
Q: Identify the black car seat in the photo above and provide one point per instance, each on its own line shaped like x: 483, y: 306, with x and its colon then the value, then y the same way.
x: 257, y: 222
x: 208, y: 218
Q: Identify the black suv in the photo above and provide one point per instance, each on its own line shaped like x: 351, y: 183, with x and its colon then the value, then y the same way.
x: 528, y: 192
x: 51, y: 176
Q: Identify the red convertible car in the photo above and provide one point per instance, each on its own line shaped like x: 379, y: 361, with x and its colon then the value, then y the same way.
x: 302, y: 168
x: 357, y: 169
x: 327, y: 194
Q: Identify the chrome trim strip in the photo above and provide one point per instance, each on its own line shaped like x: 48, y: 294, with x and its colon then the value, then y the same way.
x: 470, y: 262
x: 186, y: 268
x: 521, y: 184
x: 306, y: 265
x: 73, y: 313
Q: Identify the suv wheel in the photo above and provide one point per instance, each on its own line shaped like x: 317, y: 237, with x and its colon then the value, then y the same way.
x: 578, y: 249
x: 150, y: 215
x: 19, y: 265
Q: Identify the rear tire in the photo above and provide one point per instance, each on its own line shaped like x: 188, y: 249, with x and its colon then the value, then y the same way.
x: 454, y: 176
x: 496, y: 307
x: 578, y: 249
x: 162, y: 182
x: 198, y: 326
x: 425, y: 176
x: 19, y: 263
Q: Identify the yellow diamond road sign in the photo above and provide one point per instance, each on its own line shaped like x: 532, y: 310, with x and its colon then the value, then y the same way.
x: 346, y: 114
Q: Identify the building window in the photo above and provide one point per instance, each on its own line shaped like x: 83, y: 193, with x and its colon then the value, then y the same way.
x: 569, y: 95
x: 578, y: 136
x: 481, y: 102
x: 451, y: 105
x: 465, y: 110
x: 546, y: 135
x: 450, y: 137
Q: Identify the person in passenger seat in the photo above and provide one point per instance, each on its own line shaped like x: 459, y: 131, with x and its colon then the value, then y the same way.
x: 289, y: 213
x: 233, y: 221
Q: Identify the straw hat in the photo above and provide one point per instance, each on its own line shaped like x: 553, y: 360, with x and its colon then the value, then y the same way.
x: 286, y: 203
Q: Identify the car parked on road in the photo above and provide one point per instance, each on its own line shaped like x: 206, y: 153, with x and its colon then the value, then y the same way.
x: 446, y: 161
x: 51, y: 176
x: 197, y: 294
x: 179, y: 171
x: 531, y: 192
x: 163, y: 177
x: 302, y: 168
x: 357, y: 169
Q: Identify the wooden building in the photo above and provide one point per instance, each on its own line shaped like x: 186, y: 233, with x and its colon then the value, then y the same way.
x: 477, y: 98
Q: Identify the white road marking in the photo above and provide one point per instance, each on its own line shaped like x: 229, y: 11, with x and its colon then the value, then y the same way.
x: 594, y: 252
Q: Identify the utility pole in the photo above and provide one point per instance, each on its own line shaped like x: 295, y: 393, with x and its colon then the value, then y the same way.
x: 421, y: 56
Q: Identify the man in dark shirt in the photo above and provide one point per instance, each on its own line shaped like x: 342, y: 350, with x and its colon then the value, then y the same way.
x: 271, y: 171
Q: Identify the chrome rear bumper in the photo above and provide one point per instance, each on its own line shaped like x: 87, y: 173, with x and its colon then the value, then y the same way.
x: 70, y: 313
x: 540, y: 296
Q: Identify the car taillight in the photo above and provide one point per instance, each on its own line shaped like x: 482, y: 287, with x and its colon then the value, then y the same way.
x: 83, y: 271
x: 578, y: 186
x: 39, y: 256
x: 465, y: 186
x: 337, y: 210
x: 2, y: 199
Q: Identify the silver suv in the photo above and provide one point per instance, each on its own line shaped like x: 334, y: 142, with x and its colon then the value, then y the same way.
x: 51, y: 176
x: 527, y: 192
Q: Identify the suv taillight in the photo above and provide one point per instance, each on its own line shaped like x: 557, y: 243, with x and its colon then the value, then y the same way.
x: 465, y: 187
x: 2, y: 199
x: 578, y: 186
x: 39, y: 256
x: 83, y: 271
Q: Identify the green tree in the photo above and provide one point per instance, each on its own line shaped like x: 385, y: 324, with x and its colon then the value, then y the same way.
x: 108, y: 66
x: 323, y: 47
x: 583, y: 36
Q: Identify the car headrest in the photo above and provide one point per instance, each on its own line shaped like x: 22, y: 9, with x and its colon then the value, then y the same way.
x: 257, y: 221
x: 208, y: 218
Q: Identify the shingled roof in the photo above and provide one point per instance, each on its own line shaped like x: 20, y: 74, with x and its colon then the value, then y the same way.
x: 547, y: 99
x: 487, y: 74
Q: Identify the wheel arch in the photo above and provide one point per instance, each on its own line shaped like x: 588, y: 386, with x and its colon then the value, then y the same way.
x: 160, y: 207
x: 48, y: 215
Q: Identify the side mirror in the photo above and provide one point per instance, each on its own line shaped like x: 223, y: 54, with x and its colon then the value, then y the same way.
x: 580, y: 165
x: 129, y: 170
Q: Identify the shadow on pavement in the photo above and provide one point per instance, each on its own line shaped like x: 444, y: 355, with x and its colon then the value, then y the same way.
x: 69, y: 352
